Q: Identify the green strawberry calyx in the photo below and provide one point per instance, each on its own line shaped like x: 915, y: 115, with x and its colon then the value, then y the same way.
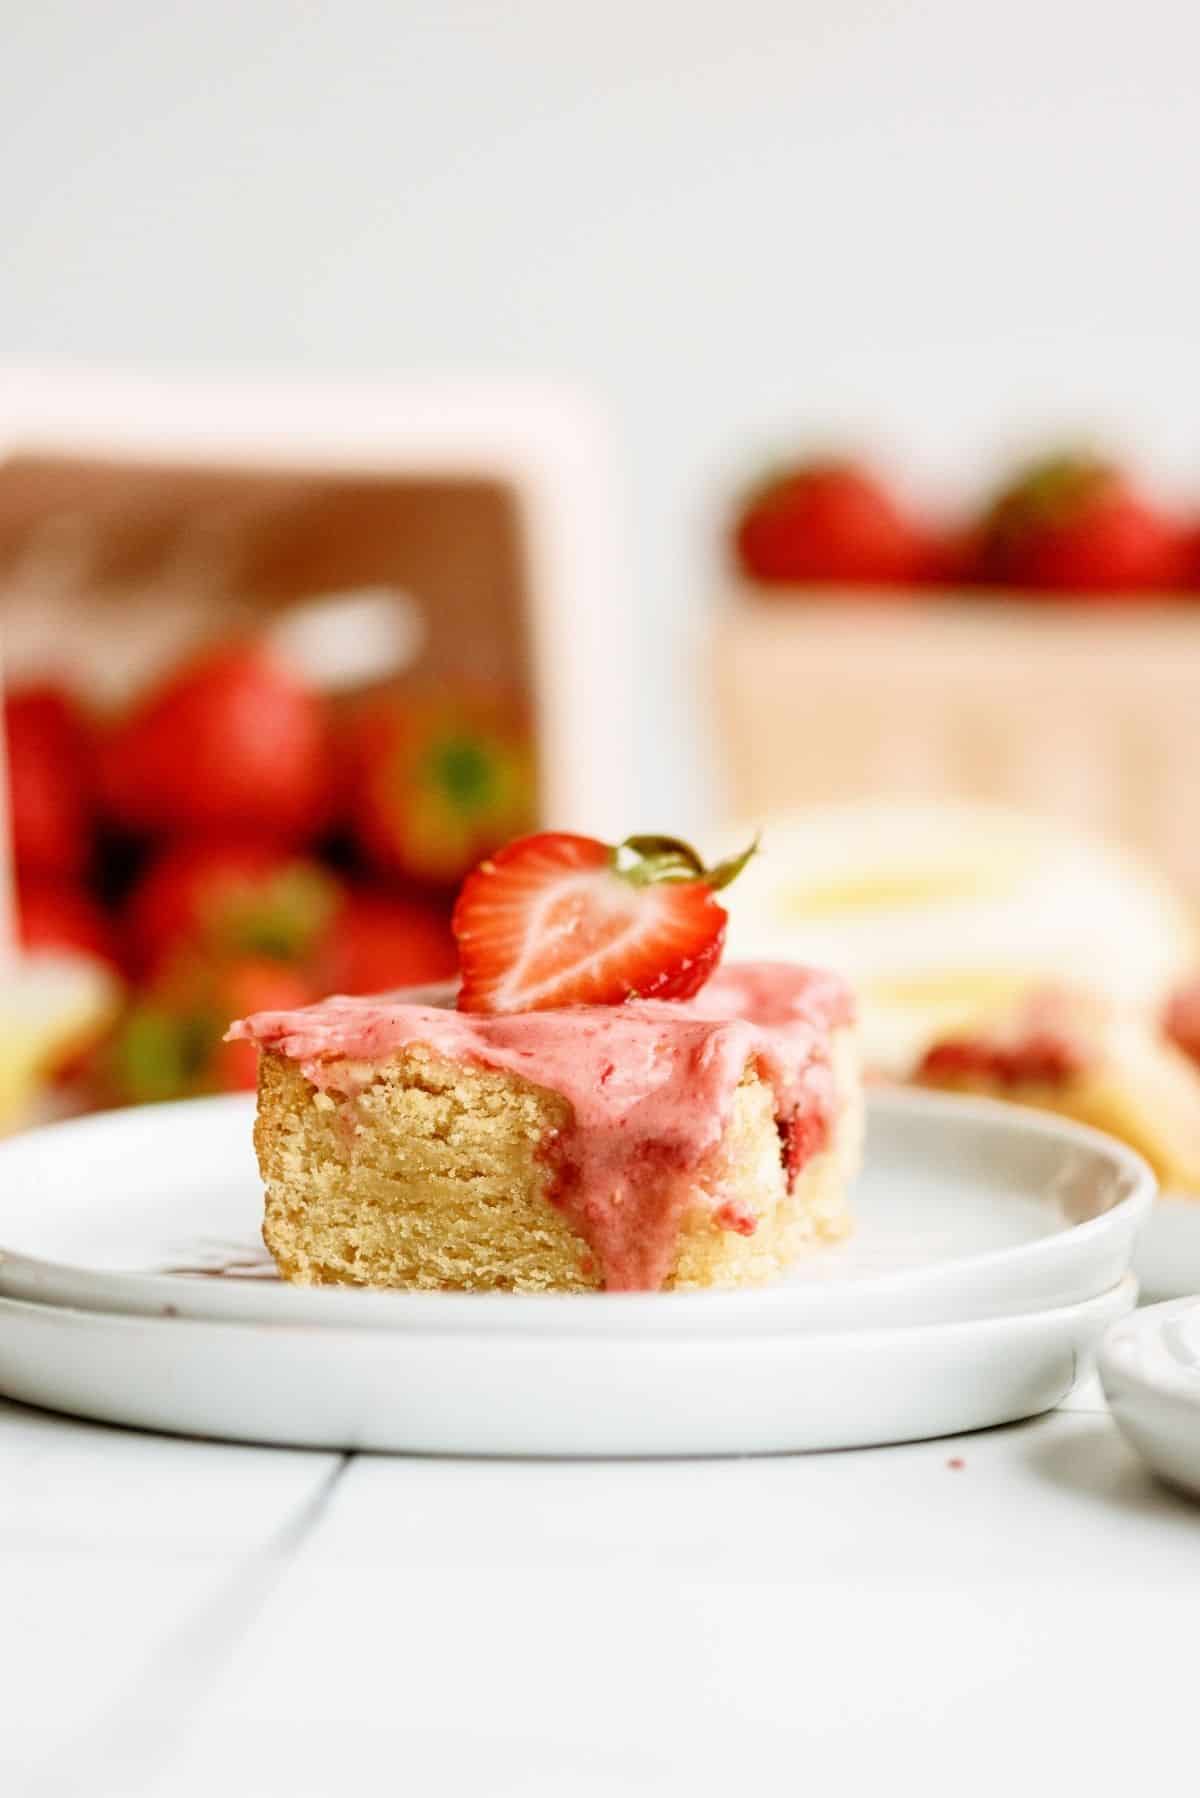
x: 653, y: 860
x: 1051, y: 491
x: 283, y: 920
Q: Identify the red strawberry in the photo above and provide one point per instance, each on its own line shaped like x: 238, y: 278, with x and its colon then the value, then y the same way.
x: 564, y: 920
x: 169, y: 1043
x: 829, y: 521
x: 261, y: 986
x: 54, y: 915
x: 953, y: 558
x: 1181, y: 1020
x: 1076, y: 524
x: 49, y: 789
x: 1191, y: 558
x: 233, y: 742
x: 439, y: 778
x: 230, y: 899
x: 379, y: 942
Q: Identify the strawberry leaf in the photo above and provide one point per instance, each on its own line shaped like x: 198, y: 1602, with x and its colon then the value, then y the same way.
x: 652, y: 860
x: 646, y: 860
x: 732, y: 866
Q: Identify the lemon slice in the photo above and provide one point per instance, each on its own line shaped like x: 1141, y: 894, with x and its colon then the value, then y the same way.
x: 50, y: 1006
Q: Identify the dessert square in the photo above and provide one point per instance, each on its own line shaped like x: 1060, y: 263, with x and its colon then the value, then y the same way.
x: 1086, y: 1058
x: 651, y: 1145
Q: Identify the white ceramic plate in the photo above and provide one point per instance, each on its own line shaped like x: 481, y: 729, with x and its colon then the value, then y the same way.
x: 1167, y: 1261
x: 965, y: 1210
x: 696, y: 1392
x: 989, y: 1255
x: 1150, y: 1366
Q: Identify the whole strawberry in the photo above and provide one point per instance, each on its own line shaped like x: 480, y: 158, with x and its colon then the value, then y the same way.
x: 58, y: 914
x: 228, y: 899
x: 1181, y: 1020
x: 438, y: 777
x: 379, y: 941
x: 1076, y: 524
x: 555, y: 919
x: 168, y: 1045
x: 1191, y: 557
x: 829, y: 521
x: 232, y: 743
x: 216, y: 902
x: 49, y: 781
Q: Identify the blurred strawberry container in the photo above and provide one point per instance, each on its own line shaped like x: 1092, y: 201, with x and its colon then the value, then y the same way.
x: 1044, y: 654
x: 280, y: 666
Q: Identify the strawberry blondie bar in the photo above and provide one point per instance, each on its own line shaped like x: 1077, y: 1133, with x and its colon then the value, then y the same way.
x: 604, y: 1107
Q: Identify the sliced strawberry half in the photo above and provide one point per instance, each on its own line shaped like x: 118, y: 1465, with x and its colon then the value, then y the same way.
x: 555, y: 920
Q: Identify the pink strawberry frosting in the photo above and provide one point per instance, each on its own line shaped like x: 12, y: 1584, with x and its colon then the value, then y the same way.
x: 650, y: 1085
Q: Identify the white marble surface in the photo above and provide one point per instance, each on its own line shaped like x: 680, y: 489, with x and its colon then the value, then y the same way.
x: 182, y: 1618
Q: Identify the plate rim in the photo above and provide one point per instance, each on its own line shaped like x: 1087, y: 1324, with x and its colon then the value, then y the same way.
x: 41, y: 1280
x: 867, y: 1338
x: 781, y: 1393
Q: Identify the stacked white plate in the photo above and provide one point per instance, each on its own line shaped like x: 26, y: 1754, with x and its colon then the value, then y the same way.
x: 991, y: 1252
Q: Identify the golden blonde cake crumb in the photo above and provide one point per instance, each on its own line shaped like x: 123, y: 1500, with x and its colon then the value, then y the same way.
x: 434, y: 1174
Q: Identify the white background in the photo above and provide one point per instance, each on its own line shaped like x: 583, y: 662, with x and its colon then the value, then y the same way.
x: 944, y: 224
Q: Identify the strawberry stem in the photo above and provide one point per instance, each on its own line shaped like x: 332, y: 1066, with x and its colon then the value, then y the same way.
x: 652, y: 860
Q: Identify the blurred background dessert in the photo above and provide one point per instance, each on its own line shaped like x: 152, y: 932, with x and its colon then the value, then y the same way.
x: 945, y: 914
